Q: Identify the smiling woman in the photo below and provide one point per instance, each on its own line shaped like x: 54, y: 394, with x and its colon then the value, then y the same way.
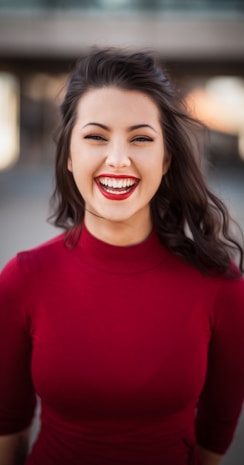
x: 129, y: 326
x: 119, y: 158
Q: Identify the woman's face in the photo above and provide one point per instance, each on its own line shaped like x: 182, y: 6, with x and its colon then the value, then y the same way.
x: 117, y: 157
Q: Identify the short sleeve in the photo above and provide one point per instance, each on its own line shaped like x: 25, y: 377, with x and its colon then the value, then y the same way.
x: 17, y: 396
x: 221, y: 400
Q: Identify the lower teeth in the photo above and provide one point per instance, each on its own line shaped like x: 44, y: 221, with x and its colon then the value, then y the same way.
x: 115, y: 192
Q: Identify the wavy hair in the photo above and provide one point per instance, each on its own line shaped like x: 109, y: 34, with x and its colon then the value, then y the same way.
x: 188, y: 218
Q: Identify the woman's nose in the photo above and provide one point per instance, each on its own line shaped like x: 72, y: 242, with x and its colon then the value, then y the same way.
x: 118, y: 156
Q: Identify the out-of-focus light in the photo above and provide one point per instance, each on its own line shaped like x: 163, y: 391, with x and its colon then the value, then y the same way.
x: 220, y: 104
x: 228, y: 93
x: 9, y: 120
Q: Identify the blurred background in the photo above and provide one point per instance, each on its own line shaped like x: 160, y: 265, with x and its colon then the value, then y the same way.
x: 199, y: 42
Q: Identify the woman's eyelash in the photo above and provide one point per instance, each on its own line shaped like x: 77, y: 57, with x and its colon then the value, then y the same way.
x: 135, y: 139
x: 142, y: 139
x: 94, y: 137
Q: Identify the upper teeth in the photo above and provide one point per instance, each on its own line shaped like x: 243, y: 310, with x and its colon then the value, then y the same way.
x: 116, y: 183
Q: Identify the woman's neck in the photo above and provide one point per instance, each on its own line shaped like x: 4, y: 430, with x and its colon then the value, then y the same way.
x: 119, y: 233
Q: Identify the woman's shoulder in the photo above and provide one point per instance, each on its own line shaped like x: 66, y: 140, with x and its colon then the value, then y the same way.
x: 212, y: 286
x: 27, y: 260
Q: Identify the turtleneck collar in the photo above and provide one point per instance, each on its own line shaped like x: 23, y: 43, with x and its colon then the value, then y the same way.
x: 121, y: 259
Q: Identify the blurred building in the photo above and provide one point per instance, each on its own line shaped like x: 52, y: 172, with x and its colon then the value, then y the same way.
x: 201, y: 43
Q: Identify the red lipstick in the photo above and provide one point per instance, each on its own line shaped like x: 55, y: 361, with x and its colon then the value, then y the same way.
x: 116, y: 187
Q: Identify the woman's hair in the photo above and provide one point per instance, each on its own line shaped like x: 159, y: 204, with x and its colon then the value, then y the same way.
x: 188, y: 218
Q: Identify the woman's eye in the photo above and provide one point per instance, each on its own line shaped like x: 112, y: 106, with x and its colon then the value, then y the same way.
x: 142, y: 139
x: 95, y: 137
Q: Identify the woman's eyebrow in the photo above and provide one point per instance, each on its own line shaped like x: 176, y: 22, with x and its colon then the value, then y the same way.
x: 130, y: 128
x: 138, y: 126
x: 103, y: 126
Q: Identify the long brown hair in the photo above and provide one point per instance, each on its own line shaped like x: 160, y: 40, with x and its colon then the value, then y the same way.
x: 189, y: 219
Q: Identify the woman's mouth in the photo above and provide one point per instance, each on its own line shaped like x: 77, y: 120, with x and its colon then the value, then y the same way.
x: 117, y: 188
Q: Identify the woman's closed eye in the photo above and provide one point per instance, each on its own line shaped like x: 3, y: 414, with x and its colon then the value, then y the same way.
x: 95, y: 137
x: 142, y: 139
x: 99, y: 137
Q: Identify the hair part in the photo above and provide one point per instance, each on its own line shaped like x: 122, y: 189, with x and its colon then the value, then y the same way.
x: 189, y: 219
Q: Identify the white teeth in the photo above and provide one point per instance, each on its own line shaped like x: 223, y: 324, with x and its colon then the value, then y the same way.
x: 116, y: 183
x: 114, y: 192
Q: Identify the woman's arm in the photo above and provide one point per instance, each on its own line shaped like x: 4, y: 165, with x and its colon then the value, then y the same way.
x: 207, y: 457
x: 221, y: 399
x: 14, y: 448
x: 17, y: 395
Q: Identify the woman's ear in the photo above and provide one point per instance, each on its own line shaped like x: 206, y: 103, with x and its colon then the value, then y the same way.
x: 166, y: 163
x: 69, y: 164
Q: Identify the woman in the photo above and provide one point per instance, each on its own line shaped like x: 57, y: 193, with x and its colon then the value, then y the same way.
x: 129, y: 326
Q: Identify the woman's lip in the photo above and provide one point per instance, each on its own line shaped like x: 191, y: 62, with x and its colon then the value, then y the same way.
x: 111, y: 194
x: 117, y: 176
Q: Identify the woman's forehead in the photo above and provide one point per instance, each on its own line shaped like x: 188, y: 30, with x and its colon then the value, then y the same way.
x: 115, y: 101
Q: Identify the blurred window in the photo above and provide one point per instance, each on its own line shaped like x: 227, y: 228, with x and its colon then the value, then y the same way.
x: 194, y: 6
x: 41, y: 94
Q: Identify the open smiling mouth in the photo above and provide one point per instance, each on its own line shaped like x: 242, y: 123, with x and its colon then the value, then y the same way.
x: 116, y: 188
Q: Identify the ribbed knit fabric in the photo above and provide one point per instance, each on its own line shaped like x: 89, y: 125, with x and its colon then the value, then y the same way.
x: 134, y: 354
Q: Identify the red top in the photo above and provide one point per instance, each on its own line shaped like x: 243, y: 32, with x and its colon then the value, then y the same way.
x: 119, y: 343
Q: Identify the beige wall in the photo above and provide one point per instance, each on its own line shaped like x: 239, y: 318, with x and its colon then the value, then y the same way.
x: 171, y: 35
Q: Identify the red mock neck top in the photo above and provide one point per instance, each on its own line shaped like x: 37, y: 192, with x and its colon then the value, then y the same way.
x: 134, y: 354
